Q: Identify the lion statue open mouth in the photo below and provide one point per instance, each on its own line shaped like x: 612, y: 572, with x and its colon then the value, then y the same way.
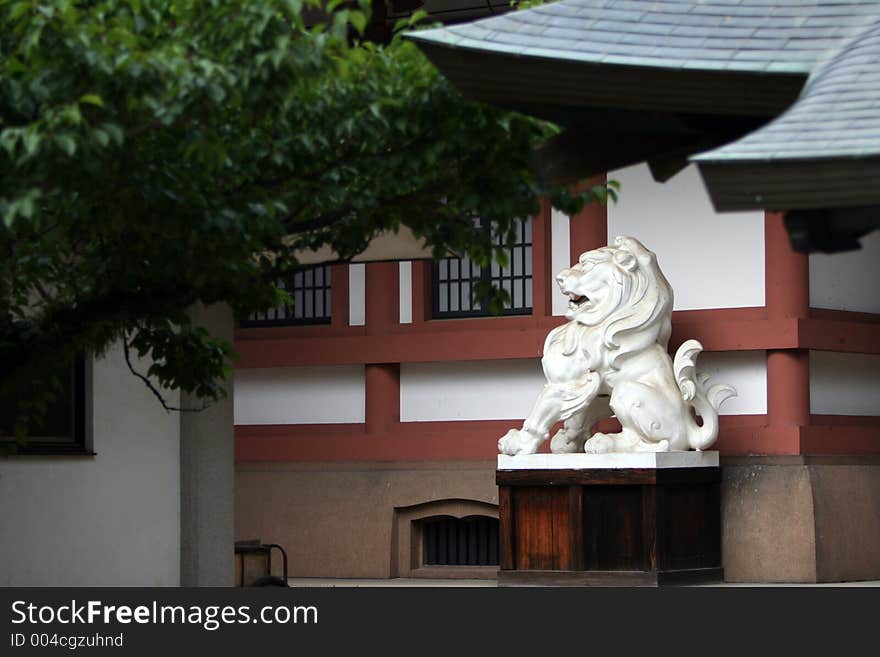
x: 612, y: 358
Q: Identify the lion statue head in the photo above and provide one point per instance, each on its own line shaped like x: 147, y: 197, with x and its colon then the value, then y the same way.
x: 620, y: 292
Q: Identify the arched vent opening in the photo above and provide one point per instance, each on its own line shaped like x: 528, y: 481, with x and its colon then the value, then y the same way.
x: 471, y: 541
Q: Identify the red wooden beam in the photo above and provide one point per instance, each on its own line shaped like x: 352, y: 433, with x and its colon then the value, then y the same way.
x: 425, y: 441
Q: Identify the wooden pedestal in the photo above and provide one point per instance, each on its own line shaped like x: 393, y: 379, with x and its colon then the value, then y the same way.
x: 609, y: 526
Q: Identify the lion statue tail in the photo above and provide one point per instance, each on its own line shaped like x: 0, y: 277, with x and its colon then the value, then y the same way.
x: 704, y: 400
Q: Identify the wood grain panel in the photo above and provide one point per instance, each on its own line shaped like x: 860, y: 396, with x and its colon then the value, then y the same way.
x: 507, y: 529
x: 542, y: 537
x: 613, y: 538
x: 692, y: 527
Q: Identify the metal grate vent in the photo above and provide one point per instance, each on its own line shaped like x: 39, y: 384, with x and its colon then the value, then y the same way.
x: 460, y: 542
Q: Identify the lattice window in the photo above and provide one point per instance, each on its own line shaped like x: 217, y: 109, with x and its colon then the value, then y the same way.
x: 454, y: 279
x: 310, y: 289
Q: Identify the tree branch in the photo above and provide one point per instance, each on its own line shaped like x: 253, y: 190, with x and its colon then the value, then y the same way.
x: 154, y: 124
x: 152, y: 388
x: 350, y: 157
x: 329, y: 218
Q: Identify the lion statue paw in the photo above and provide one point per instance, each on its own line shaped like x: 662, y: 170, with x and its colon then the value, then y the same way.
x: 519, y: 441
x: 600, y: 443
x: 567, y: 442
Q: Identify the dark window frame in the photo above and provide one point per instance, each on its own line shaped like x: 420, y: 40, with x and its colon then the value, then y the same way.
x: 79, y: 443
x: 271, y: 316
x: 442, y: 275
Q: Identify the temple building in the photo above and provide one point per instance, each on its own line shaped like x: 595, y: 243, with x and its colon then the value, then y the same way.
x: 367, y: 417
x: 364, y: 426
x: 745, y: 136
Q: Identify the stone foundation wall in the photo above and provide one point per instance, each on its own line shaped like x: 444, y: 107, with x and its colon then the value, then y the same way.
x: 337, y: 520
x: 784, y: 519
x: 801, y: 519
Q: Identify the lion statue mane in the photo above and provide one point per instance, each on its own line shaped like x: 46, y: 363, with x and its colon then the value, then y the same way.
x: 611, y: 358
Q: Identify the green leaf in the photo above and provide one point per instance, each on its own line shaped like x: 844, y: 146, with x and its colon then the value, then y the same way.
x: 358, y: 20
x: 92, y: 99
x: 101, y: 137
x: 26, y: 207
x: 19, y: 9
x: 115, y: 132
x: 8, y: 140
x: 66, y: 143
x: 31, y: 142
x: 417, y: 16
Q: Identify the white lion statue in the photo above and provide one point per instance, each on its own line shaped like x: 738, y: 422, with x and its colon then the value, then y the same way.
x: 612, y: 358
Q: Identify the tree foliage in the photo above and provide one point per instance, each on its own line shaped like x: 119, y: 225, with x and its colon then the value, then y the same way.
x: 159, y: 153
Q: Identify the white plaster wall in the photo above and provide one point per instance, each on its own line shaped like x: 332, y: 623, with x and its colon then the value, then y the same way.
x: 847, y: 281
x: 300, y: 395
x: 108, y: 520
x: 560, y: 257
x: 744, y: 370
x: 506, y: 389
x: 844, y: 384
x: 472, y: 390
x: 357, y: 294
x: 405, y: 292
x: 711, y: 260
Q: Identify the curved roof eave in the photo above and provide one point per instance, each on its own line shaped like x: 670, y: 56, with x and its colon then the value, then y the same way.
x: 652, y: 55
x: 786, y: 36
x: 711, y: 70
x: 824, y: 150
x: 697, y: 60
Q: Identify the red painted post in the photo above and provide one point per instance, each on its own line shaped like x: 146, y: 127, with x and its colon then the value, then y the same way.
x: 787, y: 296
x: 542, y: 277
x: 588, y: 229
x: 339, y: 315
x: 382, y: 380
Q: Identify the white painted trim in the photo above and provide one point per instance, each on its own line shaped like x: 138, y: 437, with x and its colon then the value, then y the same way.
x: 300, y: 395
x: 560, y: 257
x: 847, y: 281
x: 844, y: 384
x: 405, y: 292
x: 469, y: 390
x: 357, y: 295
x: 744, y: 370
x: 507, y: 389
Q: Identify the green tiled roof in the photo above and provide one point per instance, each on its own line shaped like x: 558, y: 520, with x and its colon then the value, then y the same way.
x: 689, y: 75
x: 824, y: 151
x: 787, y: 36
x: 837, y: 115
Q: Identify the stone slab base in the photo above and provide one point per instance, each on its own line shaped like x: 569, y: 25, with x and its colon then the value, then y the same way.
x: 615, y: 461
